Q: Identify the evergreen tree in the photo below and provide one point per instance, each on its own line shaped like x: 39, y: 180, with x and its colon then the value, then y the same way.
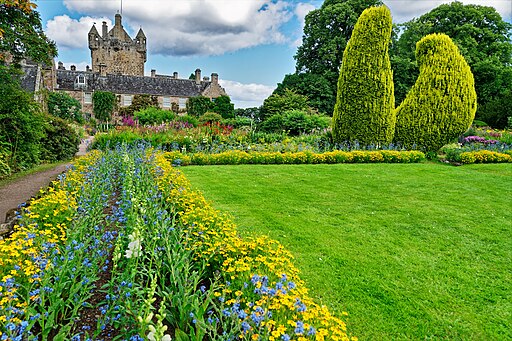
x: 364, y: 108
x: 441, y: 105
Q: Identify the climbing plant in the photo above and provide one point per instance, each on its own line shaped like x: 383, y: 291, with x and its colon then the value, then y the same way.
x: 103, y: 105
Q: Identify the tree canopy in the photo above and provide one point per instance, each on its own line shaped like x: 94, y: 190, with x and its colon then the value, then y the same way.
x: 21, y: 33
x: 482, y: 36
x: 278, y: 104
x: 326, y: 33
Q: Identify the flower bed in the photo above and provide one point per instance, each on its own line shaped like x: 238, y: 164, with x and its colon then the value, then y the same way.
x: 485, y: 156
x: 237, y: 157
x: 122, y: 248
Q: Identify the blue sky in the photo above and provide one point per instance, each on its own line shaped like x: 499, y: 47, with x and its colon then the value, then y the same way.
x: 249, y: 43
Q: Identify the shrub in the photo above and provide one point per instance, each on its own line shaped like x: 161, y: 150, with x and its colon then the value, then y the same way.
x: 199, y: 105
x: 188, y: 119
x: 152, y: 115
x: 223, y: 106
x: 104, y: 103
x: 279, y: 103
x: 60, y: 142
x: 295, y: 122
x: 239, y: 122
x: 442, y: 103
x: 364, y: 108
x: 484, y: 156
x: 21, y: 122
x: 62, y: 105
x: 210, y: 117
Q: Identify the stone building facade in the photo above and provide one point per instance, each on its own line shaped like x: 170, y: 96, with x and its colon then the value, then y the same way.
x: 118, y: 67
x: 114, y: 52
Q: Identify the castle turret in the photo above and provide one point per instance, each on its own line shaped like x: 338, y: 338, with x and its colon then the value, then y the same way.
x: 116, y: 52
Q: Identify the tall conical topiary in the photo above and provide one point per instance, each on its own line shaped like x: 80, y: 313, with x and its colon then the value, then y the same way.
x: 364, y: 108
x: 442, y: 103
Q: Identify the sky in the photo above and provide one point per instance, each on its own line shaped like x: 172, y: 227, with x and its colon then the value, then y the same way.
x: 250, y: 44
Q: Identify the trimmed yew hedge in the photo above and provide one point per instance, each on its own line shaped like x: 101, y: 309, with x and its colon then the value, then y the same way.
x: 442, y: 103
x: 364, y: 110
x: 236, y: 157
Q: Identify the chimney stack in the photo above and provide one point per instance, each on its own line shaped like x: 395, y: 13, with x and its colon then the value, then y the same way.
x: 73, y: 68
x: 104, y: 30
x: 153, y: 73
x: 87, y: 68
x: 198, y: 76
x: 175, y: 75
x: 215, y: 78
x: 118, y: 20
x: 206, y: 79
x: 60, y: 66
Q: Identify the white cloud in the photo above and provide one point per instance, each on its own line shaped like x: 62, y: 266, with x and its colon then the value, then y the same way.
x: 301, y: 10
x: 246, y: 95
x: 404, y: 10
x: 202, y: 27
x: 69, y: 33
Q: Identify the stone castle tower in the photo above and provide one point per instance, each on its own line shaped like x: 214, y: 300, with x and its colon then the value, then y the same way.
x: 114, y: 52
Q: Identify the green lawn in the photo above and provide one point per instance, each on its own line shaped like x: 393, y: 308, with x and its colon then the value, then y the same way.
x: 415, y: 251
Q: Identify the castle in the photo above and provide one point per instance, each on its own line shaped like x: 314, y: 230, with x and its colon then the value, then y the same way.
x: 117, y: 65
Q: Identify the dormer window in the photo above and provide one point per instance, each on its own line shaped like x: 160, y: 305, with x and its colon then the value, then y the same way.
x: 80, y: 79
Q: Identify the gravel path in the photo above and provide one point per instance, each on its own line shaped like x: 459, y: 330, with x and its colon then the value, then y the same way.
x: 21, y: 190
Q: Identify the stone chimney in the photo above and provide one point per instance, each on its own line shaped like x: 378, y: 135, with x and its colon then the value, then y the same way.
x: 73, y: 68
x: 118, y: 20
x: 215, y: 78
x: 60, y: 66
x: 198, y: 76
x: 104, y: 30
x: 153, y: 73
x: 87, y: 68
x: 175, y: 75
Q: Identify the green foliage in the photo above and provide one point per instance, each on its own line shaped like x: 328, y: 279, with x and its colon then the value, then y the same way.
x: 253, y: 113
x: 364, y: 109
x: 21, y: 122
x: 483, y: 38
x: 139, y: 103
x: 442, y: 103
x: 23, y: 36
x: 223, y: 106
x: 294, y: 122
x: 60, y: 142
x: 320, y: 92
x: 62, y: 105
x: 210, y: 117
x: 279, y: 103
x: 238, y: 122
x: 151, y: 115
x: 237, y: 157
x: 497, y: 111
x: 188, y: 119
x: 197, y: 106
x: 326, y: 33
x: 104, y: 103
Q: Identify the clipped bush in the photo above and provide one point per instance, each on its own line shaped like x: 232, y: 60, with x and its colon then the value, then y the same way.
x: 442, y: 103
x: 60, y: 142
x: 188, y: 119
x: 152, y: 115
x: 364, y: 110
x: 210, y: 117
x: 237, y: 157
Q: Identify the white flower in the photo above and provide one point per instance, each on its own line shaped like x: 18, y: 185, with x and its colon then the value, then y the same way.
x: 134, y: 249
x: 166, y: 337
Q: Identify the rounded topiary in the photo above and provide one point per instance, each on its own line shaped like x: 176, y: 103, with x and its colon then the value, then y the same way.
x: 364, y: 108
x: 442, y: 103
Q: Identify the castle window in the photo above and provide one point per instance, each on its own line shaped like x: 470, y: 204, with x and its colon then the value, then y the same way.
x: 167, y: 102
x: 87, y: 98
x: 80, y: 79
x: 127, y: 100
x: 182, y: 102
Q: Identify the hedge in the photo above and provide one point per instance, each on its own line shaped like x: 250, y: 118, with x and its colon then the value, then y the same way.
x: 236, y: 157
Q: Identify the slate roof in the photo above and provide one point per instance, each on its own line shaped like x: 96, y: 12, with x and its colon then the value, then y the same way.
x: 121, y: 84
